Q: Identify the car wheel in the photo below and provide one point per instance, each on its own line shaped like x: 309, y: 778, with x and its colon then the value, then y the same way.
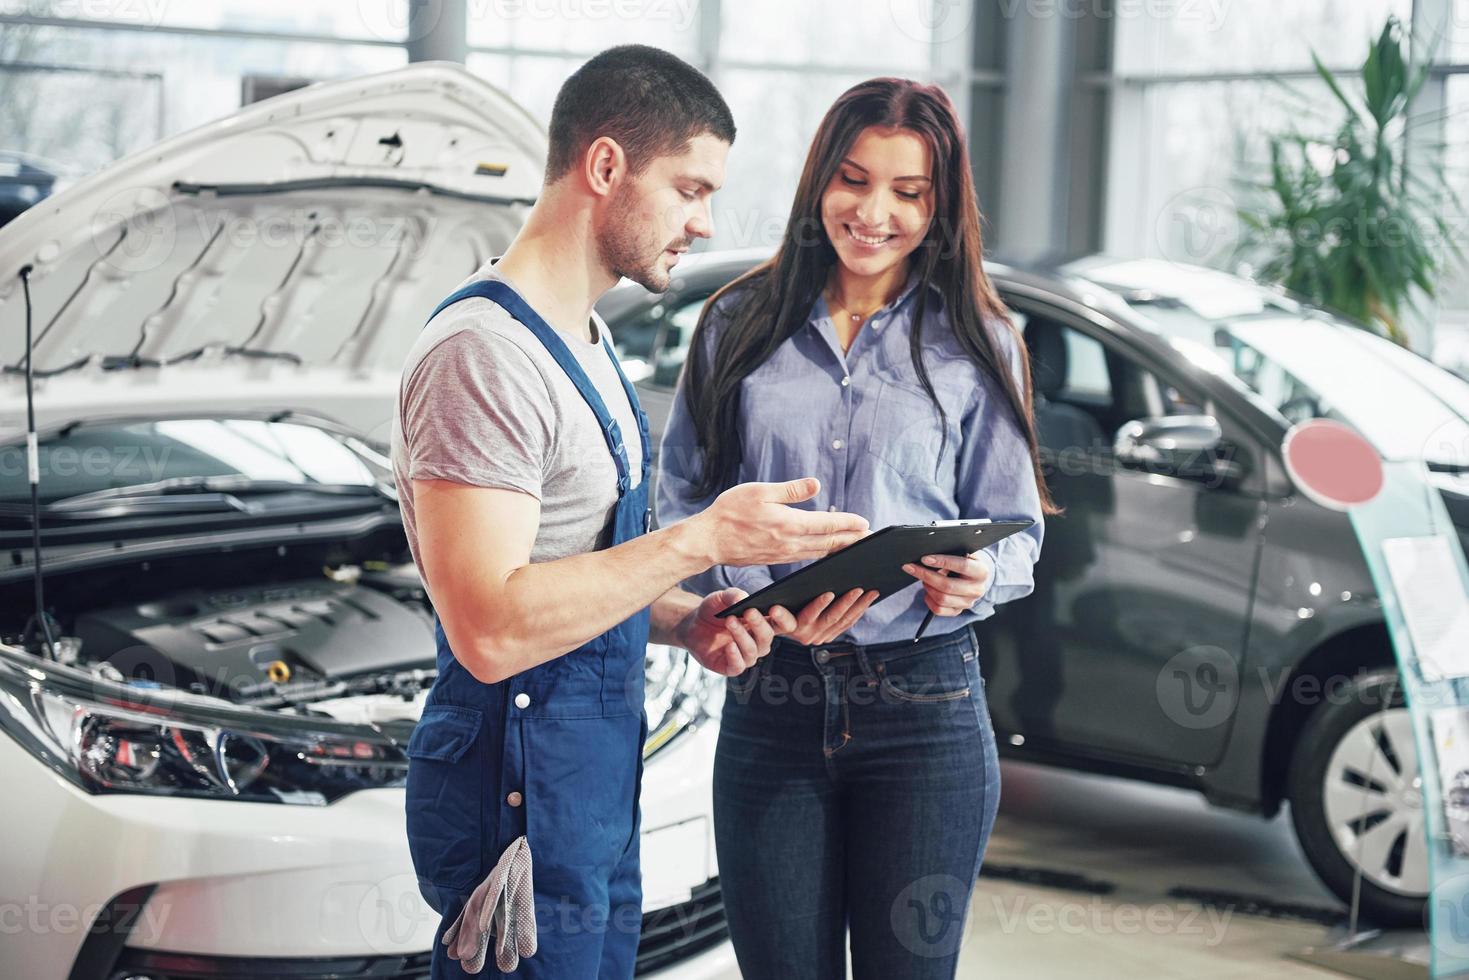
x: 1357, y: 802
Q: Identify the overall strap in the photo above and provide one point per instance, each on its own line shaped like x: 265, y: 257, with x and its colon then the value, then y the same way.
x: 637, y: 408
x: 509, y: 300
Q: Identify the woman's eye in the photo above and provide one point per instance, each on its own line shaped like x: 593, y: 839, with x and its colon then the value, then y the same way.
x: 850, y: 182
x: 908, y: 196
x: 688, y: 195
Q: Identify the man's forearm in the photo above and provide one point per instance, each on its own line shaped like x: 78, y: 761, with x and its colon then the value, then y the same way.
x: 544, y: 610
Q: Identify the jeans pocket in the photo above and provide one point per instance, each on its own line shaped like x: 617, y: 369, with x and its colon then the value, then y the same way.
x: 936, y: 675
x: 444, y: 794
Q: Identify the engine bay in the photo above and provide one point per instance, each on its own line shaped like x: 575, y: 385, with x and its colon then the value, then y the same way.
x: 307, y: 630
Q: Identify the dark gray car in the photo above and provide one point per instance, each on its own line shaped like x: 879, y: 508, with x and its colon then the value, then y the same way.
x: 1196, y: 620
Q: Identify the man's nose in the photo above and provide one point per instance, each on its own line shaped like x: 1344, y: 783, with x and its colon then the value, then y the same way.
x: 702, y: 223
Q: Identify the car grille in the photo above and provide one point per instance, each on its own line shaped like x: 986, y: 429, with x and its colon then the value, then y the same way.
x: 669, y: 936
x: 136, y: 963
x: 681, y: 931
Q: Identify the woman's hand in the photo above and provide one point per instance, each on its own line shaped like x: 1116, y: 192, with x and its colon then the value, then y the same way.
x: 824, y: 619
x: 727, y: 646
x: 967, y: 581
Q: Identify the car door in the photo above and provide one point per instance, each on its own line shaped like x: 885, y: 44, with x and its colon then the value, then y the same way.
x: 1128, y: 646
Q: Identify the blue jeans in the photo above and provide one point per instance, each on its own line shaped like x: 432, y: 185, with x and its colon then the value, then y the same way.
x: 854, y: 787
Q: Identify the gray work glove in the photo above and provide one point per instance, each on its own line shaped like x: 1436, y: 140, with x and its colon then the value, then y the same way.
x: 502, y: 907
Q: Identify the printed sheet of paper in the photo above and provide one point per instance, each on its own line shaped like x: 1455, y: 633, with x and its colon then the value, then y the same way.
x: 1431, y: 594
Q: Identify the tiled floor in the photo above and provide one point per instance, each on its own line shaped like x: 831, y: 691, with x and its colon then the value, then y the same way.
x: 1144, y: 841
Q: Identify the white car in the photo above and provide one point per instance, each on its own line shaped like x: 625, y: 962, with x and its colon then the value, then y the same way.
x: 202, y: 772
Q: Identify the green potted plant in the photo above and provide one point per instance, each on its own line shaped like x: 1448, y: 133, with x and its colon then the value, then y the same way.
x: 1343, y: 220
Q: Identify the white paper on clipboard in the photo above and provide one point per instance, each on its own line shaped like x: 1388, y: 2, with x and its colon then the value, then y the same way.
x: 1425, y: 577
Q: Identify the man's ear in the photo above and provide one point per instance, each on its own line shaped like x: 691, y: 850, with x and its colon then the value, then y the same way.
x: 605, y: 164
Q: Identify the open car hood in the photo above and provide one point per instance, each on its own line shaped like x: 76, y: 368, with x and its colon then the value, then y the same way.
x: 284, y: 256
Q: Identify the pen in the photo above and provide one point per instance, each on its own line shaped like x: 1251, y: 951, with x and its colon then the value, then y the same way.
x: 928, y: 618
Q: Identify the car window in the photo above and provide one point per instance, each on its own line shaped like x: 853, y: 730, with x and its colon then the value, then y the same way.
x: 1085, y: 390
x: 678, y: 323
x: 1305, y: 366
x: 1087, y: 366
x: 636, y: 338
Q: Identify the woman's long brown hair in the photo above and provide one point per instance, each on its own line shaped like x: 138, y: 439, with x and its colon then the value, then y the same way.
x: 776, y: 297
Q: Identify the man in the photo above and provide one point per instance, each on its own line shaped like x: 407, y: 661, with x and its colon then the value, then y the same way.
x: 522, y: 461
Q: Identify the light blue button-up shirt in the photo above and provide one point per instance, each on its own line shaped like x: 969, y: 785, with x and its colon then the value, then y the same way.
x: 862, y: 424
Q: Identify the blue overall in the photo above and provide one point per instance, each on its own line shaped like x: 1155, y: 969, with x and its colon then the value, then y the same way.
x: 553, y: 753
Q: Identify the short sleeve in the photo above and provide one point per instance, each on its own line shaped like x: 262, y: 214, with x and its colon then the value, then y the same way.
x: 476, y: 410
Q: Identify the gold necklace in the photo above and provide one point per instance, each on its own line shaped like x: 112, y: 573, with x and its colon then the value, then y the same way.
x: 856, y: 317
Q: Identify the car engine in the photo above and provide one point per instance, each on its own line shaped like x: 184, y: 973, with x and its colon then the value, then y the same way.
x: 355, y: 644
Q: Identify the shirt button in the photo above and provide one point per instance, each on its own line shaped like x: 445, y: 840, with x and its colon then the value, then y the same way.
x: 846, y: 382
x: 522, y: 700
x: 822, y: 656
x: 515, y: 799
x: 837, y: 444
x: 833, y: 507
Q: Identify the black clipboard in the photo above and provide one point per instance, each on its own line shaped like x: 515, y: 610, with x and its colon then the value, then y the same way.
x: 876, y: 562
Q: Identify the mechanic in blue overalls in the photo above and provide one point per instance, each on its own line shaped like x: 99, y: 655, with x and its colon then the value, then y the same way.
x: 525, y: 767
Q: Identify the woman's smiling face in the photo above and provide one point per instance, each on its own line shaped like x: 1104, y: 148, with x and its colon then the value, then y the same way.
x: 878, y: 206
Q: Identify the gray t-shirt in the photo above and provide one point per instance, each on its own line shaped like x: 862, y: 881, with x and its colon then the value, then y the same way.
x: 482, y: 402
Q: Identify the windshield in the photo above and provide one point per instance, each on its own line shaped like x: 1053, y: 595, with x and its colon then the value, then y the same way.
x: 106, y: 455
x: 1308, y: 367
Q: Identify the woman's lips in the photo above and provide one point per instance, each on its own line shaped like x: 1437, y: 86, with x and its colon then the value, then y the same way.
x: 867, y: 243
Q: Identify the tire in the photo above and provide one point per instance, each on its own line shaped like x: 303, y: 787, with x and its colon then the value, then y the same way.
x: 1356, y: 799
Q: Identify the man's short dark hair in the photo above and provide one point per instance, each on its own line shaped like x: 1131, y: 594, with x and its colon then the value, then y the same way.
x: 651, y: 102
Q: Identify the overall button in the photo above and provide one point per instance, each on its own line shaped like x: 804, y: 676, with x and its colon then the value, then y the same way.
x: 515, y: 799
x: 522, y: 700
x: 832, y: 508
x: 822, y: 656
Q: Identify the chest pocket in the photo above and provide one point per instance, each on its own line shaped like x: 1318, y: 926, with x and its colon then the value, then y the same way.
x: 905, y: 431
x: 774, y: 439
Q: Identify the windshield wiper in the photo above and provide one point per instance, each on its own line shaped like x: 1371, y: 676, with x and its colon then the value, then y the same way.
x: 201, y: 503
x: 221, y: 486
x: 181, y: 495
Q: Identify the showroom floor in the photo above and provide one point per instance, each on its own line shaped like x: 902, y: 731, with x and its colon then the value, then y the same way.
x: 1090, y: 877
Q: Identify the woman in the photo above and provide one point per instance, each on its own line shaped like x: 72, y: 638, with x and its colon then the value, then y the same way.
x: 856, y: 779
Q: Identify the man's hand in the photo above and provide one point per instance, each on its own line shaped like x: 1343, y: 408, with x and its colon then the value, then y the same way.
x: 727, y: 646
x: 755, y: 524
x: 968, y: 579
x: 824, y: 619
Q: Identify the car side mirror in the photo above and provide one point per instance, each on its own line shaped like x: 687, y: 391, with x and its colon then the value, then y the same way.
x: 1188, y: 446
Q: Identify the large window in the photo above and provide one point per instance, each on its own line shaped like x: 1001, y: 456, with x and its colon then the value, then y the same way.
x: 779, y: 64
x: 1247, y: 35
x: 583, y: 28
x: 117, y: 75
x: 1191, y: 106
x: 80, y: 93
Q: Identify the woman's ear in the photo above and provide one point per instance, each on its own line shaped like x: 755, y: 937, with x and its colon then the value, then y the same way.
x: 605, y: 163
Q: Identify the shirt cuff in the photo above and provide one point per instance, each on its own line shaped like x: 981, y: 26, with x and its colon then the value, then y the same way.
x: 986, y: 602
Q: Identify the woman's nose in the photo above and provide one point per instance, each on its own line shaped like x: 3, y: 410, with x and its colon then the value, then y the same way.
x: 871, y: 212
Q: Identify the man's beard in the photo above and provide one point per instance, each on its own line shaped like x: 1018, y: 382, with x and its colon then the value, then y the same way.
x: 624, y: 253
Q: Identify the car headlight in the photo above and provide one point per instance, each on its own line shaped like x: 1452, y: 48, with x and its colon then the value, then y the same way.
x: 109, y: 737
x: 681, y: 695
